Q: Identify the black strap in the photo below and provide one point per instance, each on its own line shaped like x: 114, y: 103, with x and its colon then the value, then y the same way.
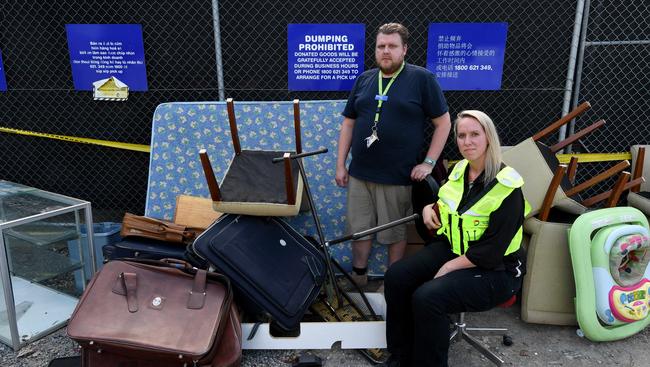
x: 474, y: 199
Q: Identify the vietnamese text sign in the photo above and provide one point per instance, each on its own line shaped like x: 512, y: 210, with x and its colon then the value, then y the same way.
x: 325, y: 56
x: 467, y: 56
x: 99, y: 51
x: 3, y: 81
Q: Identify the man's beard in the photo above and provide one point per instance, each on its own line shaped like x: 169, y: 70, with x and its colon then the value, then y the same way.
x: 394, y: 66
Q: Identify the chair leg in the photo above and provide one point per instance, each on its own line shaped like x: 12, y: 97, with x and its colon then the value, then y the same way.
x: 483, y: 349
x: 460, y: 331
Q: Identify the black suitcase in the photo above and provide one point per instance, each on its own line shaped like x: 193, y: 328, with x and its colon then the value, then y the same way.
x: 143, y: 248
x: 271, y: 266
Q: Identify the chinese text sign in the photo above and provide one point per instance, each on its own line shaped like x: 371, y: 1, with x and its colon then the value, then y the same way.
x: 467, y: 56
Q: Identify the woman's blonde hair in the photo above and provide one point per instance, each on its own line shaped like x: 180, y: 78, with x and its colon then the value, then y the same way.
x: 493, y: 151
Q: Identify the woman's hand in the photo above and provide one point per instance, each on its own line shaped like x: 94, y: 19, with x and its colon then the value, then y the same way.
x: 461, y: 262
x: 430, y: 218
x: 444, y: 270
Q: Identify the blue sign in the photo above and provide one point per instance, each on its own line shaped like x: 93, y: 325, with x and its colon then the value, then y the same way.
x: 3, y: 81
x: 325, y: 56
x: 467, y: 56
x: 99, y: 51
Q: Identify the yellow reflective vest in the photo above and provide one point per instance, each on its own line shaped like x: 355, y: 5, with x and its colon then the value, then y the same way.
x: 460, y: 228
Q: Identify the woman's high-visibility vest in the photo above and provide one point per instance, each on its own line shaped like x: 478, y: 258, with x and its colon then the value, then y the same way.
x: 460, y: 228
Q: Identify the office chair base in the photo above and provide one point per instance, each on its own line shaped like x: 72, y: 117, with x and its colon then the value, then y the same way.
x: 460, y: 331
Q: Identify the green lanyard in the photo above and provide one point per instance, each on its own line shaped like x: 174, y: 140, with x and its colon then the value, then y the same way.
x: 381, y: 97
x: 382, y: 94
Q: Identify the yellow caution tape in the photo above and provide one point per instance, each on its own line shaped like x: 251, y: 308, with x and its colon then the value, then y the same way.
x: 595, y: 157
x: 105, y: 143
x: 563, y: 158
x: 586, y: 157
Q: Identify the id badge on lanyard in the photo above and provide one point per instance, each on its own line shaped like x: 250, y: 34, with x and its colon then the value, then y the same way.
x: 381, y: 97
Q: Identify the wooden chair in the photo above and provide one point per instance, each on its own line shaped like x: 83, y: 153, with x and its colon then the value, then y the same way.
x: 537, y: 163
x: 253, y: 184
x: 548, y: 287
x: 612, y: 195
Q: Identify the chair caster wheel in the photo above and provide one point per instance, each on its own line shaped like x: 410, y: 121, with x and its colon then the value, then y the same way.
x: 507, y: 340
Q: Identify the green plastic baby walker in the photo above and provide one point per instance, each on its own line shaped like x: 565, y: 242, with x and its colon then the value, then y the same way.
x: 609, y: 254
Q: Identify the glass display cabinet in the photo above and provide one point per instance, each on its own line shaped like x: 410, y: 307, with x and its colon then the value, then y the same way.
x: 40, y: 257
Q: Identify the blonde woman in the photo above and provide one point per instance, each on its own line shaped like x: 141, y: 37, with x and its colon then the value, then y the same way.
x: 476, y: 261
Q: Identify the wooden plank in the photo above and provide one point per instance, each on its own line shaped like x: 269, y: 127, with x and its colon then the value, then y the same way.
x: 557, y: 124
x: 598, y: 178
x: 213, y: 185
x: 617, y: 190
x: 234, y: 134
x: 604, y: 195
x: 572, y: 169
x: 288, y: 180
x: 550, y: 192
x: 194, y: 211
x: 638, y: 168
x: 577, y: 136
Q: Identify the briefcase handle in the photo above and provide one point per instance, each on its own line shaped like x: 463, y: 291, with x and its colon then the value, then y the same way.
x: 197, y: 294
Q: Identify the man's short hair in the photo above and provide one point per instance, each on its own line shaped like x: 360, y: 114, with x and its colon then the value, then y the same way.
x: 390, y: 28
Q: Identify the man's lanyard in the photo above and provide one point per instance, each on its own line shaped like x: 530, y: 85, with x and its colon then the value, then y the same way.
x: 381, y: 97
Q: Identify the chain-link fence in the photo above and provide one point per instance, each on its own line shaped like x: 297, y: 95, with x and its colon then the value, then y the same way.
x: 615, y: 71
x: 254, y: 37
x: 614, y: 74
x: 181, y: 65
x: 179, y: 55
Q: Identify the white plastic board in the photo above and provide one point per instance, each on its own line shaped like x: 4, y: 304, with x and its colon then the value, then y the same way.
x: 323, y: 335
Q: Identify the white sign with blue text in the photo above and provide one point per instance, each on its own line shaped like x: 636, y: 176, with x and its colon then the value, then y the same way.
x: 467, y: 56
x: 100, y: 51
x: 324, y: 56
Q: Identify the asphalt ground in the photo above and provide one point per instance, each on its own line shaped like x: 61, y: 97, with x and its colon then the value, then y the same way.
x: 533, y: 345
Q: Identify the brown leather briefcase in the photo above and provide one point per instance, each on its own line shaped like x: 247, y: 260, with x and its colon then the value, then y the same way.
x: 157, y: 313
x: 162, y: 230
x: 228, y: 354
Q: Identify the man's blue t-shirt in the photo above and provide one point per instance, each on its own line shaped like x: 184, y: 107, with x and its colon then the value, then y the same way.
x: 413, y: 100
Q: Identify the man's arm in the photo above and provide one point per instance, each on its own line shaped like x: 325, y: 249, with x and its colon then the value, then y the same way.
x: 442, y: 126
x: 345, y: 141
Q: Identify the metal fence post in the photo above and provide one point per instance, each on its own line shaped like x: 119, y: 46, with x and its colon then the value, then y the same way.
x: 581, y: 60
x: 217, y: 49
x: 568, y: 87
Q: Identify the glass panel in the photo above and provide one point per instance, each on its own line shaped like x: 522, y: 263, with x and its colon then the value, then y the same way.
x: 26, y: 204
x: 9, y: 188
x: 46, y: 272
x: 45, y: 259
x: 39, y: 252
x: 5, y: 332
x: 18, y: 201
x: 39, y: 309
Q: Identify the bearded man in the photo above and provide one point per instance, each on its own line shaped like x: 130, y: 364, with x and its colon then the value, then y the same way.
x: 384, y: 125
